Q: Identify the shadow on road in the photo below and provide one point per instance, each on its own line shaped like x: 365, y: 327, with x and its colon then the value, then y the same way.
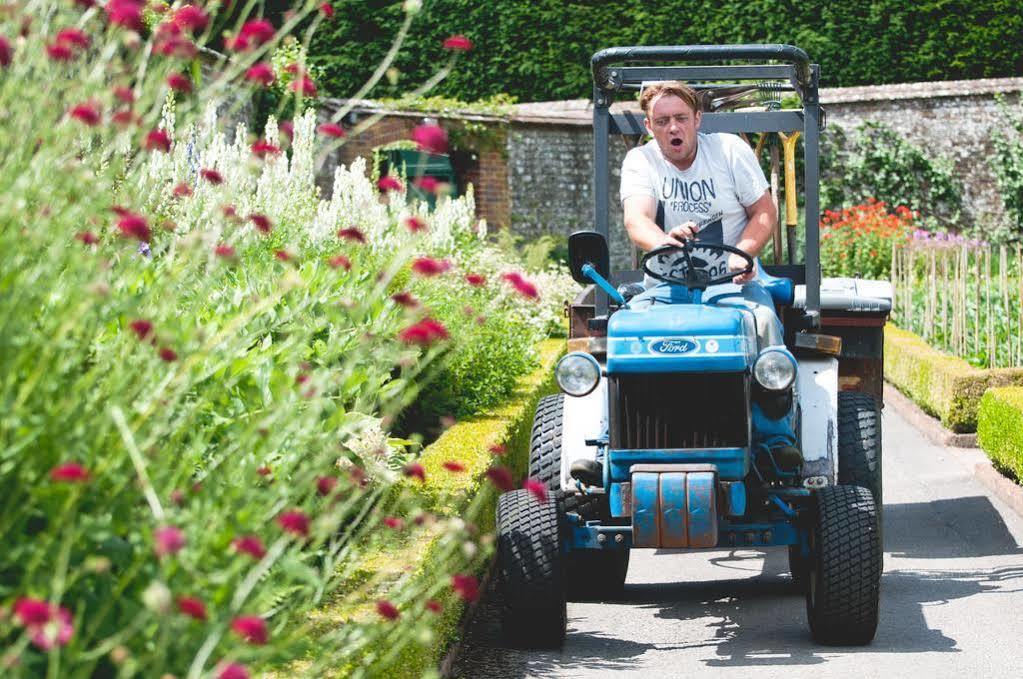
x: 943, y: 529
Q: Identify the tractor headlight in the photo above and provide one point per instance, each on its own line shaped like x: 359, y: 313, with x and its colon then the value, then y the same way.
x: 775, y: 370
x: 577, y: 373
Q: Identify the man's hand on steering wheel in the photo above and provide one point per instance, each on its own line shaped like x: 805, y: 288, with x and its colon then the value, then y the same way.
x: 682, y: 232
x: 737, y: 263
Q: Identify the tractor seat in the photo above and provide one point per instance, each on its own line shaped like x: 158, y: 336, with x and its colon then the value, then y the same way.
x: 780, y: 289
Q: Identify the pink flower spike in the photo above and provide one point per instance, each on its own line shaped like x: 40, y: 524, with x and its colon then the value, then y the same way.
x: 157, y: 140
x: 168, y: 540
x: 74, y: 37
x: 394, y: 523
x: 416, y: 471
x: 425, y: 266
x: 142, y: 328
x: 59, y: 52
x: 466, y: 587
x: 304, y: 86
x: 431, y: 138
x: 387, y: 610
x: 125, y: 13
x: 263, y: 148
x: 501, y: 477
x: 211, y: 175
x: 521, y: 285
x: 167, y: 354
x: 191, y: 18
x: 192, y: 607
x: 405, y: 299
x: 536, y: 489
x: 295, y: 522
x: 325, y: 485
x: 458, y: 43
x: 87, y: 237
x: 340, y: 262
x: 415, y: 224
x: 353, y: 234
x: 87, y: 114
x: 233, y: 670
x: 251, y: 628
x: 261, y: 73
x: 331, y: 130
x: 261, y: 222
x: 453, y: 466
x: 134, y: 226
x: 179, y: 83
x: 287, y: 128
x: 251, y: 545
x: 475, y: 280
x: 327, y: 10
x: 69, y: 472
x: 257, y: 32
x: 388, y: 183
x: 424, y: 333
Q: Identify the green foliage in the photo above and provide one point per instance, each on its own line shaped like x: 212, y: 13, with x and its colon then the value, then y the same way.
x: 876, y: 162
x: 1000, y: 428
x: 1007, y: 163
x: 539, y: 50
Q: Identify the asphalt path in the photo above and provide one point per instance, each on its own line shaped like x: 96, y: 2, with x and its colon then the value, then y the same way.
x: 951, y: 597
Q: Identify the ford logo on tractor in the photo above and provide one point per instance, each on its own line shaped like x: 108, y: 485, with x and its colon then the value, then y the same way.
x: 673, y: 346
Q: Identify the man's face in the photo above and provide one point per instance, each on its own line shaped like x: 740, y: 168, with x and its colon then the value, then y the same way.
x: 673, y: 123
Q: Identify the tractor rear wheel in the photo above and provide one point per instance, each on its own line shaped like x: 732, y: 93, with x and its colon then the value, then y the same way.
x: 843, y: 592
x: 531, y: 569
x: 859, y: 443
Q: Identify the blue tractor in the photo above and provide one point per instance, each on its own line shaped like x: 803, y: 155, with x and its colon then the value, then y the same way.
x: 655, y: 441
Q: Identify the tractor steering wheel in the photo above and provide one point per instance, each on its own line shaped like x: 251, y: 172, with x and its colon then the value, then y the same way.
x: 685, y: 265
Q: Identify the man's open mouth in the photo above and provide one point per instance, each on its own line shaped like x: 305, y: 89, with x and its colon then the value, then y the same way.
x: 676, y: 142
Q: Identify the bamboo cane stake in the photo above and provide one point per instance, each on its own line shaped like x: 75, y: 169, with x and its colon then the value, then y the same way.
x: 931, y: 294
x: 989, y: 316
x: 945, y: 288
x: 976, y: 311
x: 1003, y: 288
x: 1019, y: 306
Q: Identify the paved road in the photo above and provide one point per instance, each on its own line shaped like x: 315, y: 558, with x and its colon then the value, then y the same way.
x: 952, y: 597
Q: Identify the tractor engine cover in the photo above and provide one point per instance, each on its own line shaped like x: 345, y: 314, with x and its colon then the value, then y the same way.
x: 674, y: 506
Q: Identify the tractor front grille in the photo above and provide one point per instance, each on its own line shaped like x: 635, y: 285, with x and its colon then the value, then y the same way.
x: 678, y: 410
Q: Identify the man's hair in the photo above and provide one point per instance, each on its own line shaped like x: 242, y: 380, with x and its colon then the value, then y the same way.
x: 658, y: 89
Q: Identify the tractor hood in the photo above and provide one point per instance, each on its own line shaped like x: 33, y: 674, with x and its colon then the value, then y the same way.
x: 655, y: 337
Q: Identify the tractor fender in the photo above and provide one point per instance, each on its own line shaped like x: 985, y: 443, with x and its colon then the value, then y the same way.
x: 584, y: 418
x: 817, y: 391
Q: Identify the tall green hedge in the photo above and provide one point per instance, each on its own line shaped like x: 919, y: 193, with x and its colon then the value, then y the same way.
x: 539, y: 49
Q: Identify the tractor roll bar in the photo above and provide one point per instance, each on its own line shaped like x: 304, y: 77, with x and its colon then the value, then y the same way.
x: 612, y: 55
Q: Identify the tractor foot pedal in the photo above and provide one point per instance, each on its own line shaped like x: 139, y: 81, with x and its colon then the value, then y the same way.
x: 589, y: 472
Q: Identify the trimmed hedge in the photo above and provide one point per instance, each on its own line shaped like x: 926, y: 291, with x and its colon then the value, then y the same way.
x: 467, y: 495
x: 1000, y: 428
x: 539, y: 50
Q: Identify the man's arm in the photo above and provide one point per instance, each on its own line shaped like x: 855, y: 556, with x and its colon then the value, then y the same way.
x: 762, y: 216
x: 640, y: 212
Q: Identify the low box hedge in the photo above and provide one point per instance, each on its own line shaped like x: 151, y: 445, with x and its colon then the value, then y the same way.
x: 945, y: 386
x: 1000, y: 428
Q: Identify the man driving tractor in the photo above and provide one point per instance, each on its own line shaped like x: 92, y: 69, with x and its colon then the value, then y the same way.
x: 684, y: 184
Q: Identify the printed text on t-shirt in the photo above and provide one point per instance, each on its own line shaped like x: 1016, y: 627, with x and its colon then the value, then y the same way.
x: 683, y: 196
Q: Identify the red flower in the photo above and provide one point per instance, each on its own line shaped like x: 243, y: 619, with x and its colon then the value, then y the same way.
x: 458, y: 43
x: 295, y: 522
x: 251, y: 628
x: 69, y: 472
x: 5, y: 52
x: 261, y: 222
x: 453, y: 466
x: 257, y: 32
x: 134, y: 226
x: 415, y: 224
x: 192, y: 607
x: 394, y: 523
x: 59, y: 52
x: 388, y: 610
x: 30, y: 612
x: 501, y: 477
x: 351, y: 233
x: 73, y: 37
x: 87, y: 114
x: 389, y: 183
x: 224, y: 251
x: 264, y: 471
x: 263, y: 148
x: 142, y: 328
x: 157, y: 140
x: 327, y: 10
x: 211, y: 175
x: 521, y: 285
x: 325, y: 485
x: 287, y: 127
x: 466, y: 586
x: 122, y: 118
x: 124, y: 94
x: 46, y: 623
x: 427, y: 183
x: 431, y: 138
x: 475, y: 280
x: 126, y: 13
x: 415, y: 470
x: 168, y: 540
x: 536, y: 488
x: 251, y: 545
x: 331, y: 130
x: 340, y: 262
x: 177, y: 496
x: 191, y: 18
x: 425, y: 266
x: 169, y: 43
x: 167, y: 354
x: 304, y: 86
x: 233, y: 670
x: 87, y: 237
x: 434, y: 607
x: 283, y: 255
x: 405, y: 299
x: 261, y: 73
x: 182, y: 190
x: 423, y: 333
x: 179, y: 83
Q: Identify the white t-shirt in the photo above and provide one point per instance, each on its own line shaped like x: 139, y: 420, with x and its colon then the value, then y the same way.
x: 714, y: 192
